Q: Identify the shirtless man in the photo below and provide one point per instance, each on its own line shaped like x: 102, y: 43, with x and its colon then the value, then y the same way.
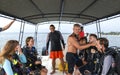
x: 73, y: 46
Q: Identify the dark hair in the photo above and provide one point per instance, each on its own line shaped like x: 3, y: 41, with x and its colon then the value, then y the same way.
x: 28, y: 39
x: 83, y: 38
x: 94, y: 35
x: 104, y: 41
x: 82, y: 28
x: 52, y: 26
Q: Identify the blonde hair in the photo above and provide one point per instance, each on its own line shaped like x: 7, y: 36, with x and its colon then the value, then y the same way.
x: 8, y: 50
x: 77, y: 25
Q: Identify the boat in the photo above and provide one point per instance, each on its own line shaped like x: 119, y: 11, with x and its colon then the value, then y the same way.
x: 38, y: 12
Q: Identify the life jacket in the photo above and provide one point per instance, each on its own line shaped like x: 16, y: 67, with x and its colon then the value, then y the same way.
x: 92, y: 58
x: 16, y: 65
x: 31, y: 56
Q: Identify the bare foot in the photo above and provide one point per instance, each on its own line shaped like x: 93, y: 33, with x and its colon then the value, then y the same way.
x: 65, y: 72
x: 52, y: 72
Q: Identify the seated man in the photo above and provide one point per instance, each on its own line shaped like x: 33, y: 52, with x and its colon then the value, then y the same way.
x: 30, y: 52
x: 107, y: 59
x: 89, y: 56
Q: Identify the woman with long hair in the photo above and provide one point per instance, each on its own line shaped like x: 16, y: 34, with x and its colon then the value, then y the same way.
x: 6, y: 56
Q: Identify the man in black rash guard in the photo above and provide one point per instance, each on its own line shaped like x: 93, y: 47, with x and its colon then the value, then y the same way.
x: 55, y: 37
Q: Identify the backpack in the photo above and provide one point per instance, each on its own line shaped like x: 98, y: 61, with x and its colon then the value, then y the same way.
x: 115, y: 52
x: 117, y: 59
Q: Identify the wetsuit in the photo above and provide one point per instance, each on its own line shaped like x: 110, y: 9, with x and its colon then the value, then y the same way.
x: 31, y: 55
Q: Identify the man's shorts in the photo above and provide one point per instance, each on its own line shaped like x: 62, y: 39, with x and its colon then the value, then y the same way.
x: 71, y: 59
x: 56, y: 54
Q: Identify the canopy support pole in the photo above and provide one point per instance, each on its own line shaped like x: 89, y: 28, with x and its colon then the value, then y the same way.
x: 98, y: 28
x: 35, y: 36
x: 21, y: 32
x: 61, y: 12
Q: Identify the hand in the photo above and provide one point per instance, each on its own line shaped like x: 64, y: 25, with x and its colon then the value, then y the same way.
x: 64, y: 46
x: 93, y: 43
x: 46, y: 52
x: 19, y: 49
x: 37, y: 62
x: 14, y: 19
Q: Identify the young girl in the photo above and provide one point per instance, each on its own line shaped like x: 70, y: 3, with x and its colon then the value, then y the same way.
x: 6, y: 57
x: 32, y: 61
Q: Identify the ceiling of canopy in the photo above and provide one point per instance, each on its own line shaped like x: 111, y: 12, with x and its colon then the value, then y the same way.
x: 81, y: 11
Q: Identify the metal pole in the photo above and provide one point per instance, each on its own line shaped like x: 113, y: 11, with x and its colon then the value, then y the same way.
x: 35, y: 36
x: 59, y: 25
x: 97, y: 29
x: 22, y: 32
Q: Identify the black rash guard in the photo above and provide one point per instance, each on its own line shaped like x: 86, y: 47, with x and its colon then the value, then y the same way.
x: 56, y: 39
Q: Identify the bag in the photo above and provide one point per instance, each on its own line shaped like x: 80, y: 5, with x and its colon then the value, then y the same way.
x: 117, y: 59
x: 115, y: 52
x: 109, y: 51
x: 60, y: 68
x: 44, y: 51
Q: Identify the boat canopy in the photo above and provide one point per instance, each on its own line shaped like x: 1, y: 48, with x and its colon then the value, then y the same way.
x: 81, y: 11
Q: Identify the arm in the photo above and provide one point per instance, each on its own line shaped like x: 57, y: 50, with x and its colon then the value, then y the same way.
x: 8, y: 25
x: 22, y: 58
x: 36, y: 52
x: 76, y: 44
x: 7, y: 67
x: 62, y: 40
x: 47, y: 42
x: 106, y: 64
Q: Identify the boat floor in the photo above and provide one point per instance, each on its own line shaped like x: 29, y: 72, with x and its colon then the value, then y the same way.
x: 47, y: 62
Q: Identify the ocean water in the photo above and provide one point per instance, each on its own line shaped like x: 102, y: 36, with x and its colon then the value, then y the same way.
x: 41, y: 39
x: 114, y: 40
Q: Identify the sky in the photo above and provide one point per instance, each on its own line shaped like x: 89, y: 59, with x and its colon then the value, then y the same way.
x: 106, y: 26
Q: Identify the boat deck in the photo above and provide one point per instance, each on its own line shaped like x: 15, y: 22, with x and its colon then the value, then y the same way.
x: 47, y: 62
